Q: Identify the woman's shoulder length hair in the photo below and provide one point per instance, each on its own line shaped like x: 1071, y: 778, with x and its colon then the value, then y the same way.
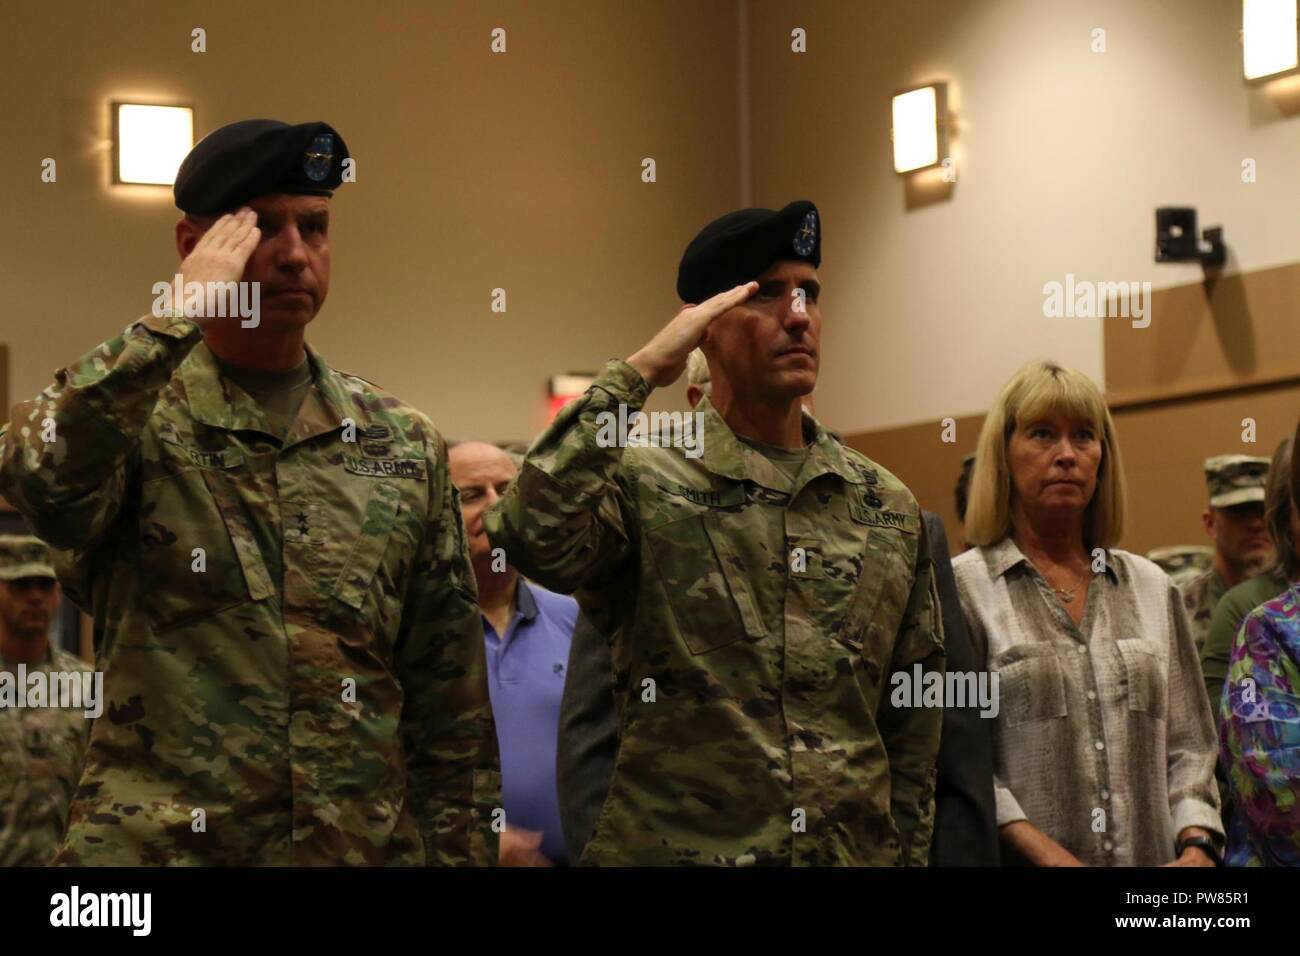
x: 1039, y: 390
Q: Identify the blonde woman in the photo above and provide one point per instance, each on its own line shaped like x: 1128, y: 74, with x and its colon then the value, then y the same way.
x: 1104, y: 746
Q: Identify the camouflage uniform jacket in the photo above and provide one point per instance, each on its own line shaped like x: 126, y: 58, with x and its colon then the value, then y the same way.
x: 289, y: 634
x: 41, y: 749
x: 1201, y: 595
x: 754, y: 633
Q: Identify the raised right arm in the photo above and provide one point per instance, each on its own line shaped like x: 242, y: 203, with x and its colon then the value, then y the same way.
x: 64, y: 455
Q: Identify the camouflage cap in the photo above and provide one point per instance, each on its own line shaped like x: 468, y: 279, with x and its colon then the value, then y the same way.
x: 23, y: 556
x: 1182, y: 558
x: 1235, y: 479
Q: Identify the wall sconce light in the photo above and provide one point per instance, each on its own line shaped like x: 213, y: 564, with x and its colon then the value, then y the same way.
x: 1268, y: 38
x: 920, y: 130
x: 149, y: 142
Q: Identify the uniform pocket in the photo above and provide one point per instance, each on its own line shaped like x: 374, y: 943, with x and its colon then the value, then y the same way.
x: 198, y: 553
x: 704, y: 582
x: 880, y: 600
x: 356, y: 579
x: 1148, y: 677
x: 1031, y: 684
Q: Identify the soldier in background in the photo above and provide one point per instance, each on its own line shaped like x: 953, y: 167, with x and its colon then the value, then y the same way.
x: 1183, y: 562
x: 41, y: 747
x: 273, y: 555
x: 1235, y: 520
x: 760, y: 596
x: 1233, y: 608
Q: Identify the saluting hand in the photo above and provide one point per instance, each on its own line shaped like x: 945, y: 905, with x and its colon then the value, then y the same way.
x: 662, y: 360
x: 220, y: 255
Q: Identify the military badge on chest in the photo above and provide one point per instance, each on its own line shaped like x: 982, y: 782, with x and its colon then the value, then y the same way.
x: 376, y: 441
x: 866, y: 507
x: 872, y: 480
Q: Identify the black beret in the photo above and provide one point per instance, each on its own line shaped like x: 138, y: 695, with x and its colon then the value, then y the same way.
x: 251, y: 158
x: 741, y: 245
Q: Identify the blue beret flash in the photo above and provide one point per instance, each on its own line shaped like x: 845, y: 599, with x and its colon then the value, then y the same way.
x: 319, y: 157
x: 805, y: 239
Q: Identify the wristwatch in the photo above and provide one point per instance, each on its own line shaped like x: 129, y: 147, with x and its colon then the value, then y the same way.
x: 1202, y: 843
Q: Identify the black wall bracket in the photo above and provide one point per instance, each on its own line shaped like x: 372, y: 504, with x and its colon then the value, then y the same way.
x: 1176, y: 238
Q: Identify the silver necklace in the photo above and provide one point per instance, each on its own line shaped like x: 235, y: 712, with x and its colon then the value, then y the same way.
x: 1064, y: 595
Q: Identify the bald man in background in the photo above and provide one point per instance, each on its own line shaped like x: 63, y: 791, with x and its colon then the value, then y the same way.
x: 527, y: 630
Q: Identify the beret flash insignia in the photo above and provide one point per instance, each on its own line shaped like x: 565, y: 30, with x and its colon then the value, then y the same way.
x: 805, y: 240
x: 319, y: 157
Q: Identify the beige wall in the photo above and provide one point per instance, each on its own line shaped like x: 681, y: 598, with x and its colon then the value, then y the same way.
x: 522, y: 171
x: 1063, y: 155
x: 1236, y: 391
x: 475, y: 171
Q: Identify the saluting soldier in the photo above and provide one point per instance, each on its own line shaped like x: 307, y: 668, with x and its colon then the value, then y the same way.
x: 760, y: 585
x: 273, y: 554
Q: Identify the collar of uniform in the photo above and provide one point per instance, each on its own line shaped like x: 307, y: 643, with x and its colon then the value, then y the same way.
x: 1006, y: 554
x: 826, y: 455
x: 209, y: 404
x: 228, y: 407
x: 321, y: 412
x: 724, y: 454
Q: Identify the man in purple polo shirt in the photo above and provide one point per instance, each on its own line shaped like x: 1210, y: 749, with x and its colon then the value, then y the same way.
x: 527, y: 630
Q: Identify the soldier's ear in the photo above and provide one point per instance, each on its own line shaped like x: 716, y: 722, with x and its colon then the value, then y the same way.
x: 189, y: 230
x: 187, y: 236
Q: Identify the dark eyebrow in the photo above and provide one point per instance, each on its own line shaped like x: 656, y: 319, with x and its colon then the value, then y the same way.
x: 811, y: 286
